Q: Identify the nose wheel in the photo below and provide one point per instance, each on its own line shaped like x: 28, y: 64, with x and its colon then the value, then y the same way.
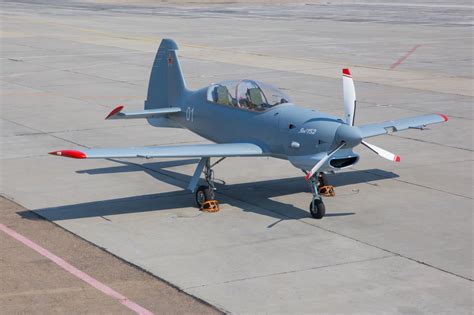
x: 316, y: 207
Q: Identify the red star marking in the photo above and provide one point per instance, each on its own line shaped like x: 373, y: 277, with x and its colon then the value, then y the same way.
x: 170, y: 60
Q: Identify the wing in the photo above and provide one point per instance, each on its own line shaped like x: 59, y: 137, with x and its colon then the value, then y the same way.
x: 196, y: 150
x: 418, y: 122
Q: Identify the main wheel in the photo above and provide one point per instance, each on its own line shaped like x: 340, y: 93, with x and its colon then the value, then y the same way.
x: 319, y: 209
x: 203, y: 194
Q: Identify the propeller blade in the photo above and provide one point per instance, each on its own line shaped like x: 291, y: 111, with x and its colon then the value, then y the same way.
x: 322, y: 161
x: 383, y: 153
x: 349, y: 96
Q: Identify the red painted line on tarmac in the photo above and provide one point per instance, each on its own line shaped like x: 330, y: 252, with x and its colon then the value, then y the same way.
x: 76, y: 272
x: 404, y: 57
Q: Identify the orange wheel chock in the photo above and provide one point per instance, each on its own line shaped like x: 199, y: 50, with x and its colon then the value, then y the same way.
x: 210, y: 206
x: 327, y: 191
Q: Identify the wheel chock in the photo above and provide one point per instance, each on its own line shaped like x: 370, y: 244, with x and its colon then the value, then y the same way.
x: 210, y: 206
x: 327, y: 191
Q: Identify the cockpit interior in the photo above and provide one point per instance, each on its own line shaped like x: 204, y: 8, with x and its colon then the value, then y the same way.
x: 246, y: 94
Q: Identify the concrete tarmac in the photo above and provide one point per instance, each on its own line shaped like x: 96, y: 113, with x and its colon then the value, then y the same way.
x: 33, y: 284
x: 397, y: 238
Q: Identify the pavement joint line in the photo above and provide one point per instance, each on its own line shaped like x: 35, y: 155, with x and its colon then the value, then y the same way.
x: 101, y: 77
x: 40, y: 131
x: 106, y: 219
x: 358, y: 241
x: 430, y: 142
x: 291, y: 271
x: 76, y: 272
x: 238, y: 245
x: 40, y: 89
x: 79, y: 84
x: 71, y: 130
x: 329, y: 230
x: 40, y: 292
x: 414, y: 184
x: 437, y: 163
x: 22, y: 158
x: 86, y: 101
x: 25, y: 58
x: 53, y: 69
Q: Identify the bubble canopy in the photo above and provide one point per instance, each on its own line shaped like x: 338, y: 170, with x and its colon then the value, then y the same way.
x: 246, y: 94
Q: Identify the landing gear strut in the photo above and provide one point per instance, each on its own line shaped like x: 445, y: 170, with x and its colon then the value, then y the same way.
x: 205, y: 195
x: 316, y: 207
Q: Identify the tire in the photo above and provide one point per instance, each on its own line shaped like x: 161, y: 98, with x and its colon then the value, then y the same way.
x: 320, y: 209
x: 203, y: 194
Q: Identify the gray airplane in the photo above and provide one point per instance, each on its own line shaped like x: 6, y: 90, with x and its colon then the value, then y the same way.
x: 250, y: 118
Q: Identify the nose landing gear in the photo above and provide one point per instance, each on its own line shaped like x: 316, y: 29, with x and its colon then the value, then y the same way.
x: 316, y: 207
x: 319, y: 187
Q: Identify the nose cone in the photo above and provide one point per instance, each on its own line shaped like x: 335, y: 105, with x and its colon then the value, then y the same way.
x: 351, y: 135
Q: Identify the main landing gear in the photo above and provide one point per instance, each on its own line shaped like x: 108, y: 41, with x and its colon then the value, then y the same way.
x: 319, y: 188
x: 205, y: 194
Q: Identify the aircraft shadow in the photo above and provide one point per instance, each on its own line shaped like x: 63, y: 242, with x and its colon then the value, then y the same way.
x: 253, y: 197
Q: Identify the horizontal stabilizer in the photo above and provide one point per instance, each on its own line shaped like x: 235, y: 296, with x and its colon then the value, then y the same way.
x: 147, y: 113
x: 192, y: 150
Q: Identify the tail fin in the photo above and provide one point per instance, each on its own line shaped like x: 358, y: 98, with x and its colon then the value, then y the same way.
x: 166, y: 84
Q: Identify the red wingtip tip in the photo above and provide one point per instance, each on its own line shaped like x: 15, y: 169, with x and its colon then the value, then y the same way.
x: 69, y: 153
x: 397, y: 158
x: 444, y: 117
x: 346, y: 72
x: 115, y: 111
x: 307, y: 176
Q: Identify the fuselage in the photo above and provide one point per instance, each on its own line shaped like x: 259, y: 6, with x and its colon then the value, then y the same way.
x: 285, y: 131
